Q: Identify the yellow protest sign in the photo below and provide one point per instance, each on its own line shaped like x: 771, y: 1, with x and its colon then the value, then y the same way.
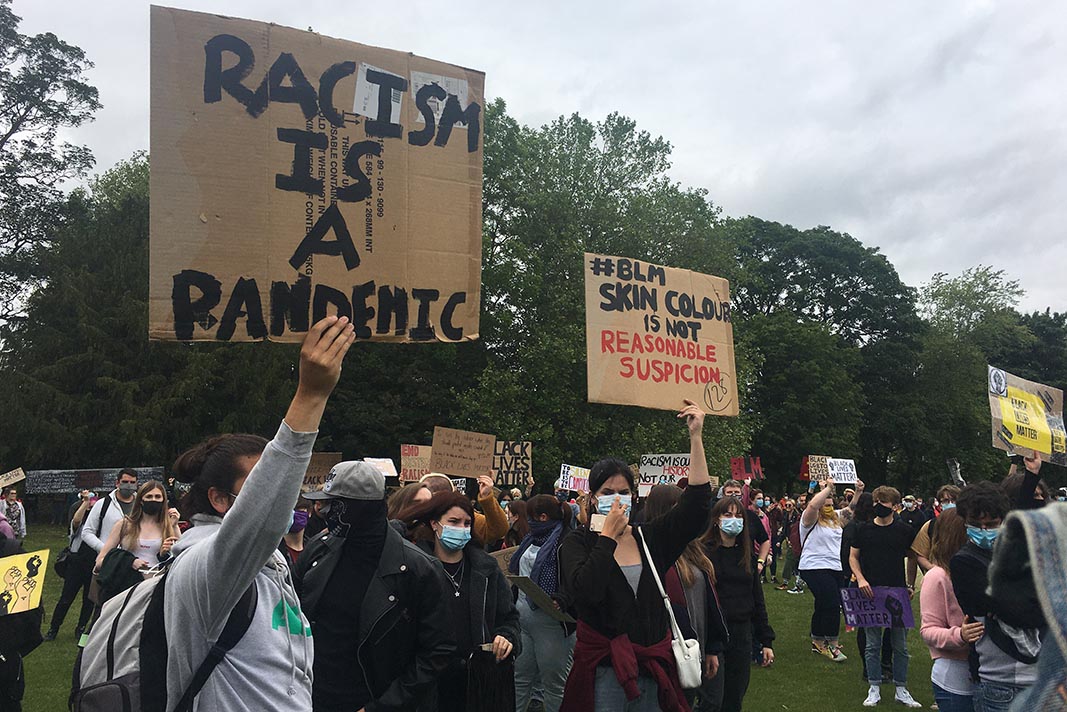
x: 1027, y: 416
x: 22, y: 581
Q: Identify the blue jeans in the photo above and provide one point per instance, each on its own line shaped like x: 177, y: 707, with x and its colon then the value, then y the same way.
x: 994, y: 697
x: 873, y: 655
x: 545, y: 661
x: 951, y: 702
x: 610, y: 697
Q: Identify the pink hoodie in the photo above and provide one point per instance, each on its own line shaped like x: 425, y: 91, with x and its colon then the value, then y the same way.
x: 5, y: 527
x: 941, y: 617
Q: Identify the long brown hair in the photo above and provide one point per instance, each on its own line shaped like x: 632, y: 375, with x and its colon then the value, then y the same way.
x: 418, y: 516
x: 713, y: 536
x: 660, y: 500
x: 132, y: 526
x: 402, y: 499
x: 521, y: 525
x: 949, y: 534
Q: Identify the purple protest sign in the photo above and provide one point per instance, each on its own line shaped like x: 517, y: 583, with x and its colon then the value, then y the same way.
x: 890, y: 608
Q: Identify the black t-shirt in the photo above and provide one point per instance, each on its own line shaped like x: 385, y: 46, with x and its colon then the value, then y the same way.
x: 883, y: 550
x: 459, y: 572
x: 755, y: 527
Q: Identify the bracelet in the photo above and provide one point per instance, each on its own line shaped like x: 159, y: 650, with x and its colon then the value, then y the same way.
x: 761, y: 562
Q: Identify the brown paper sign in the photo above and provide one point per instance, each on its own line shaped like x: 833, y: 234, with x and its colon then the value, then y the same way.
x: 513, y: 462
x: 10, y: 478
x: 503, y: 558
x: 318, y: 469
x: 461, y: 453
x: 538, y: 596
x: 296, y: 175
x: 658, y: 335
x: 1027, y: 416
x: 414, y: 462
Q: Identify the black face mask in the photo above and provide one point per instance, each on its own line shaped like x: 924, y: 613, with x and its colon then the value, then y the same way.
x: 357, y: 517
x: 882, y: 511
x: 151, y: 508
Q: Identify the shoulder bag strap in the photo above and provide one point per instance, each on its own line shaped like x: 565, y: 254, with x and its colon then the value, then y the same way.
x: 675, y: 630
x: 103, y: 511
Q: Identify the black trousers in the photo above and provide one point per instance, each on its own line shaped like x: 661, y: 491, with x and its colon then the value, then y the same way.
x: 12, y: 682
x: 825, y: 585
x: 736, y: 666
x: 79, y: 576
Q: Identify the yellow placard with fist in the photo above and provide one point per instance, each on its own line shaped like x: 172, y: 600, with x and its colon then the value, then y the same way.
x: 22, y: 581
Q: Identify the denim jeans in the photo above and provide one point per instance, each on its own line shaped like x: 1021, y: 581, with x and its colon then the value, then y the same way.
x: 951, y: 702
x: 873, y: 655
x: 994, y: 697
x: 610, y: 697
x: 545, y: 661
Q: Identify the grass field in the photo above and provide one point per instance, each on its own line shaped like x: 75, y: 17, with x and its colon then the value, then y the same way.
x: 798, y: 681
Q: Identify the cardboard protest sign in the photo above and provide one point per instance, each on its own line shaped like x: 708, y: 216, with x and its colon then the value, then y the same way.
x: 383, y: 464
x: 73, y: 481
x: 538, y: 597
x: 503, y: 558
x: 462, y: 453
x: 9, y: 478
x: 22, y: 582
x: 661, y: 470
x: 1027, y: 416
x: 745, y: 468
x: 890, y: 608
x: 296, y: 175
x: 837, y: 470
x: 414, y: 462
x: 658, y: 335
x: 512, y: 462
x: 319, y: 469
x: 574, y: 478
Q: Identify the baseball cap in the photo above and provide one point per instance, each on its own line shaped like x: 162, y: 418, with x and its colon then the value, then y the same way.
x: 353, y: 479
x: 909, y: 498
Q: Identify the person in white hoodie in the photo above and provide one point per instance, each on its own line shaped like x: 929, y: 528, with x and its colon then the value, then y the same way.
x: 240, y: 506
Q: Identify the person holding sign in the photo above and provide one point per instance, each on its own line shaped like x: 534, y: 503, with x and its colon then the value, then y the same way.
x: 621, y: 615
x: 820, y: 566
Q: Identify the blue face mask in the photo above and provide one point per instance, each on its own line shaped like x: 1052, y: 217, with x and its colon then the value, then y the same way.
x: 604, y: 502
x: 947, y: 506
x: 759, y: 502
x: 455, y: 538
x: 982, y: 538
x: 731, y: 526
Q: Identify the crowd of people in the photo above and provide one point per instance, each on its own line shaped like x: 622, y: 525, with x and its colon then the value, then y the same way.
x: 357, y: 599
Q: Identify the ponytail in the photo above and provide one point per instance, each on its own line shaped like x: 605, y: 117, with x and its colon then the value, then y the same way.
x: 214, y: 463
x: 551, y: 507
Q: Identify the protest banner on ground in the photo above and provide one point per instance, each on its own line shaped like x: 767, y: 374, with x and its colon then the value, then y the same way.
x: 462, y: 453
x: 296, y: 175
x: 573, y: 478
x: 661, y: 470
x: 837, y: 470
x: 538, y: 597
x: 319, y: 469
x: 414, y: 462
x: 745, y: 468
x: 9, y: 478
x: 513, y: 462
x: 658, y: 335
x: 890, y: 608
x: 1027, y: 416
x: 22, y: 582
x: 73, y: 481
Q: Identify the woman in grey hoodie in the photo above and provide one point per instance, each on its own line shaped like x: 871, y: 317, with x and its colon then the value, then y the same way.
x: 240, y: 505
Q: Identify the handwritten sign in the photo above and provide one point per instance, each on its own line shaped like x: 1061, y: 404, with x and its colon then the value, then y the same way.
x: 503, y: 558
x: 22, y: 581
x: 744, y: 468
x: 512, y: 462
x: 658, y: 335
x: 462, y: 453
x: 837, y: 470
x: 414, y: 462
x: 661, y: 470
x: 9, y: 478
x: 319, y: 469
x: 296, y: 175
x: 1027, y: 416
x: 72, y: 481
x: 573, y: 478
x: 890, y: 608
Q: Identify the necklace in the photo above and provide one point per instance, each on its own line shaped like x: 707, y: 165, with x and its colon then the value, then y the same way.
x: 457, y: 578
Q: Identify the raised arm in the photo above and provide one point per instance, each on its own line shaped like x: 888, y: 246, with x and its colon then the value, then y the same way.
x: 698, y: 461
x: 815, y: 503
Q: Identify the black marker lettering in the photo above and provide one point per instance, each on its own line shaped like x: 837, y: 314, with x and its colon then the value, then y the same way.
x: 244, y: 301
x: 300, y: 179
x: 187, y: 312
x: 383, y: 126
x: 422, y: 103
x: 313, y: 243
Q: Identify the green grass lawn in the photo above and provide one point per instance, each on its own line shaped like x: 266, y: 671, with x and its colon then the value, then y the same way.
x: 798, y: 680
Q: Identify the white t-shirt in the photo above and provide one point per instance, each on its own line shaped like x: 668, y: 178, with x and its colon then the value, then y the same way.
x: 821, y: 549
x: 526, y: 564
x: 953, y: 676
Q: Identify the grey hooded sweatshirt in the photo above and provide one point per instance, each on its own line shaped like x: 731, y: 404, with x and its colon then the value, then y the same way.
x: 270, y: 668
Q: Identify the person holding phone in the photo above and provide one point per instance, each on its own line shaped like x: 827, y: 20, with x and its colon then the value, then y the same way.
x: 622, y: 656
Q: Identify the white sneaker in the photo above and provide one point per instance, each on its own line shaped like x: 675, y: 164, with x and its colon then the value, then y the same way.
x: 873, y: 697
x: 904, y: 697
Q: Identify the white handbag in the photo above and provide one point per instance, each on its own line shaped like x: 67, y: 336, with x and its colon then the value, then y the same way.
x: 686, y: 651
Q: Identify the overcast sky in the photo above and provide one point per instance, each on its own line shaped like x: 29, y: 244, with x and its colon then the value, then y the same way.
x: 932, y: 130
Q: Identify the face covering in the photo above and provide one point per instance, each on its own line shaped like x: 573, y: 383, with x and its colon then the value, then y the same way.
x: 731, y: 526
x: 346, y: 516
x: 982, y: 538
x: 299, y: 521
x: 454, y: 538
x: 880, y: 510
x: 603, y: 504
x: 947, y: 506
x: 910, y: 505
x: 151, y: 508
x: 127, y: 490
x: 759, y: 503
x: 828, y: 510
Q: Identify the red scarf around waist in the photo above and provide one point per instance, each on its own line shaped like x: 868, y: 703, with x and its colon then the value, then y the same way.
x: 627, y: 659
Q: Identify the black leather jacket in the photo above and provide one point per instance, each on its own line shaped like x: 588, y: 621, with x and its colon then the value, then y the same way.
x: 405, y: 630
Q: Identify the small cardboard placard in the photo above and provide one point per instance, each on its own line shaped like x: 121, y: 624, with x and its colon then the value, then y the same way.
x: 318, y: 469
x: 572, y: 477
x: 383, y: 464
x: 656, y: 336
x: 22, y: 581
x: 462, y: 453
x: 1027, y: 416
x: 296, y: 175
x: 661, y: 470
x: 503, y: 558
x: 890, y: 608
x: 513, y: 462
x: 9, y: 478
x: 537, y: 595
x: 414, y: 462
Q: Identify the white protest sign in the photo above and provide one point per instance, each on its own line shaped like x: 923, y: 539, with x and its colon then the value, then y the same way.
x: 574, y: 478
x: 661, y: 470
x: 842, y: 472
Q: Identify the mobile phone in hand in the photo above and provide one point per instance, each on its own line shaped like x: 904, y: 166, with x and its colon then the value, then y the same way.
x: 596, y: 522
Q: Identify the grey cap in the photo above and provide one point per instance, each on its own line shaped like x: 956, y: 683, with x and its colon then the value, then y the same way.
x: 353, y: 479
